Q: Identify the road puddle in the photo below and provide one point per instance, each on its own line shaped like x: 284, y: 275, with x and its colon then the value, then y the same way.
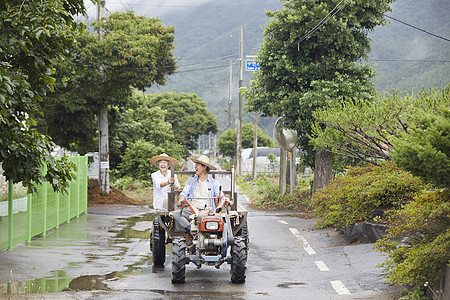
x: 137, y: 227
x: 289, y: 284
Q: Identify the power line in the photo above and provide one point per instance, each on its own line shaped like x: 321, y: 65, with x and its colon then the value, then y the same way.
x: 417, y: 28
x: 197, y: 6
x: 148, y: 68
x: 412, y: 60
x: 124, y: 5
x: 333, y: 12
x: 209, y: 61
x: 201, y: 69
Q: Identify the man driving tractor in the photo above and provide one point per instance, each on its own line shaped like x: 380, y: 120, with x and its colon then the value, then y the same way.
x: 200, y: 190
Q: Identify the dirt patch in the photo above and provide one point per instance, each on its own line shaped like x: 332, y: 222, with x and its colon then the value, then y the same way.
x: 96, y: 196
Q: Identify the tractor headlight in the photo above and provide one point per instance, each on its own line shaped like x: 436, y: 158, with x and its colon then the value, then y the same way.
x: 212, y: 225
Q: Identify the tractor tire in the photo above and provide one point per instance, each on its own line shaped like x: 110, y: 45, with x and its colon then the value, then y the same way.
x: 243, y: 232
x: 178, y: 259
x: 238, y: 260
x: 158, y: 243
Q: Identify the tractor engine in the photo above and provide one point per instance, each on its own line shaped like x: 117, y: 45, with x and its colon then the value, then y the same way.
x: 210, y: 233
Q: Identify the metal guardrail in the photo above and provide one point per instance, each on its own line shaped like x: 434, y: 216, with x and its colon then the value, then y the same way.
x: 43, y: 211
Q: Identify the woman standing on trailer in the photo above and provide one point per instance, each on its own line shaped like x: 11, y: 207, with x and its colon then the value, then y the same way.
x: 162, y: 180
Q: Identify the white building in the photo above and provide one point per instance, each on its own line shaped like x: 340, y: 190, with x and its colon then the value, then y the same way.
x: 263, y: 164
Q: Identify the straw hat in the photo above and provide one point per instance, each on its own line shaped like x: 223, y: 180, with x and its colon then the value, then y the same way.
x: 204, y: 160
x: 163, y: 156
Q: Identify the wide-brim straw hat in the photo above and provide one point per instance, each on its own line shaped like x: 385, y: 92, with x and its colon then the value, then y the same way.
x: 204, y: 160
x: 163, y: 156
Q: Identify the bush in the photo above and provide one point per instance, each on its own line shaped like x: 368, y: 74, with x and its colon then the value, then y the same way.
x: 418, y: 241
x: 425, y: 150
x: 264, y: 193
x: 355, y: 196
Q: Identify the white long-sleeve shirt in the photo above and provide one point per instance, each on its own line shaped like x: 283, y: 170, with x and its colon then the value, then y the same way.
x: 160, y: 193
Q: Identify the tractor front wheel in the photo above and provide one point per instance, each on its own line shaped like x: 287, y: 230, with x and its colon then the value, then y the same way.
x: 178, y: 259
x: 239, y: 259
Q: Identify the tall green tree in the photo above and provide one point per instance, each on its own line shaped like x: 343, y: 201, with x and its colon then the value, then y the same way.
x: 188, y: 115
x: 311, y: 55
x: 146, y: 124
x: 227, y: 140
x: 33, y: 38
x: 134, y: 52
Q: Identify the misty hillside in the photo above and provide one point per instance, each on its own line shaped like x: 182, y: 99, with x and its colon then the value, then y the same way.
x: 406, y: 58
x: 207, y: 39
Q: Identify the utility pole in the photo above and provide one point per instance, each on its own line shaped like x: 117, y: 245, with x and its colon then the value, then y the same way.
x: 103, y: 144
x: 229, y: 95
x: 255, y: 145
x: 239, y: 114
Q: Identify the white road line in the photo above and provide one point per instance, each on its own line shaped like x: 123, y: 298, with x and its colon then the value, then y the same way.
x: 321, y: 265
x: 305, y: 244
x: 340, y: 288
x: 282, y: 222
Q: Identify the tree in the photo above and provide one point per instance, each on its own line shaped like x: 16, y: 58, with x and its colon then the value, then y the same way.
x: 135, y: 163
x: 134, y: 53
x: 308, y: 60
x: 227, y: 140
x: 413, y: 130
x: 142, y: 124
x: 188, y: 115
x: 34, y: 36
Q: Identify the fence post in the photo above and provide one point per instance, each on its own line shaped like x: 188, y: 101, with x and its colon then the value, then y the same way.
x: 57, y: 208
x: 29, y: 215
x: 86, y: 183
x: 44, y: 233
x: 10, y: 215
x: 78, y: 184
x: 68, y: 204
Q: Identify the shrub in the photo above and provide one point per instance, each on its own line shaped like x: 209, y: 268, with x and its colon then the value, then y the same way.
x: 418, y: 241
x: 355, y: 196
x: 264, y: 193
x: 425, y: 150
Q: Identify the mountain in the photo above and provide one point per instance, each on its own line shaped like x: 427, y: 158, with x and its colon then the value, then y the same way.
x: 407, y: 58
x: 207, y: 38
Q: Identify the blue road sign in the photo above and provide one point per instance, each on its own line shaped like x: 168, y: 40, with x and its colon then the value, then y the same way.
x: 251, y: 65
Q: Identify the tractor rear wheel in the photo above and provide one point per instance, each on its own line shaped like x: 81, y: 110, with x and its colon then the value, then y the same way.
x: 158, y: 243
x: 178, y: 259
x: 239, y: 259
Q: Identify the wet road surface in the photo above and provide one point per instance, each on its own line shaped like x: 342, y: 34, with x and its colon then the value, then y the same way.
x: 105, y: 255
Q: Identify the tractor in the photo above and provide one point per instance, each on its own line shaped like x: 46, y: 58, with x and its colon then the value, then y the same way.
x: 219, y: 236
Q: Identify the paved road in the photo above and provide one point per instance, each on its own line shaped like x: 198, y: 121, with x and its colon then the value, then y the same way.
x: 105, y: 255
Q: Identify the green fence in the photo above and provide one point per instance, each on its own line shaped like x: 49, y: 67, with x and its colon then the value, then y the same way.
x: 21, y: 219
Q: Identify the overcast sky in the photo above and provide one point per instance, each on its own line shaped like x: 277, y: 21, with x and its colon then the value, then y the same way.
x: 152, y: 8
